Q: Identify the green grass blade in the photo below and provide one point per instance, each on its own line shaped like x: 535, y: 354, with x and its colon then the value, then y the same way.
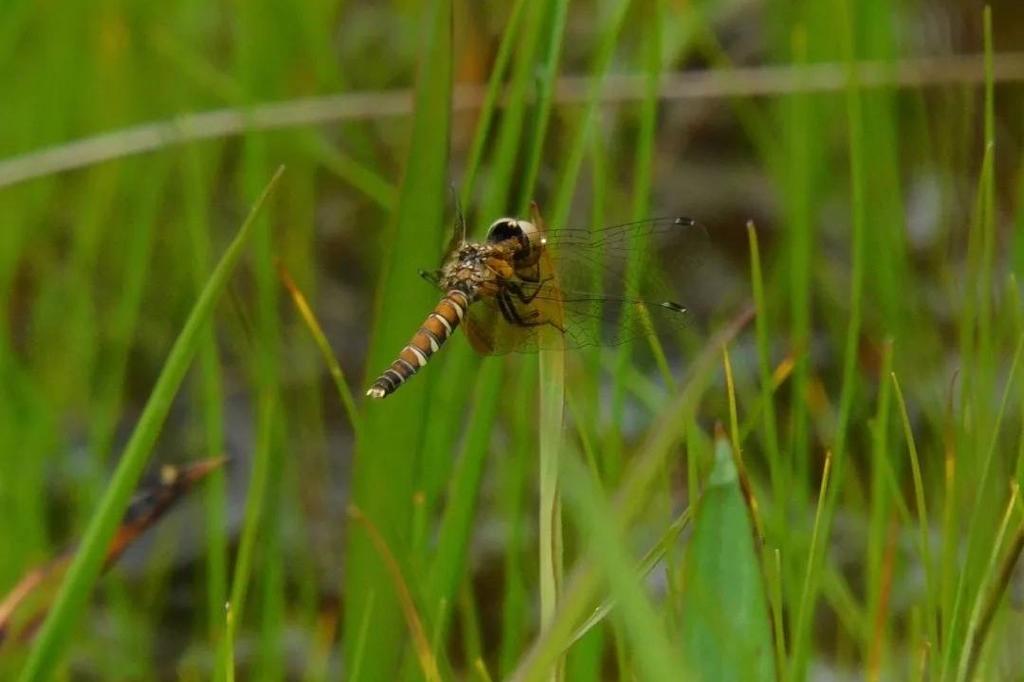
x: 456, y: 525
x: 513, y: 473
x: 552, y: 413
x: 85, y: 568
x: 858, y: 153
x: 970, y: 654
x: 762, y: 326
x: 324, y: 346
x: 647, y: 564
x: 976, y: 526
x: 546, y: 87
x: 807, y: 596
x: 210, y: 396
x: 923, y: 524
x: 487, y: 109
x: 588, y: 119
x: 656, y: 657
x: 255, y: 511
x: 227, y: 654
x: 384, y: 476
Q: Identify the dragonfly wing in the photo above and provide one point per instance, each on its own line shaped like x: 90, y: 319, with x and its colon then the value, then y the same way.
x: 593, y: 287
x: 489, y: 333
x: 621, y: 283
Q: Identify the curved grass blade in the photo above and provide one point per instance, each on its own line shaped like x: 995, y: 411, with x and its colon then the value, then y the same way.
x: 656, y: 657
x: 651, y: 559
x: 88, y: 562
x: 317, y: 332
x: 424, y: 652
x: 972, y: 644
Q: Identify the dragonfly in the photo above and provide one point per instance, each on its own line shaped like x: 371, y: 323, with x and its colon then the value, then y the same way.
x: 526, y: 288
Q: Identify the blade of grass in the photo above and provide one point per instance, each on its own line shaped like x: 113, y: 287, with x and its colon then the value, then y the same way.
x: 974, y: 526
x: 643, y: 171
x: 858, y: 150
x: 931, y: 608
x: 548, y: 68
x: 514, y: 474
x: 360, y: 641
x: 456, y: 525
x: 881, y: 520
x: 763, y: 330
x: 389, y: 460
x: 656, y: 658
x: 320, y: 339
x: 84, y: 570
x: 777, y: 606
x: 255, y: 511
x: 552, y: 414
x: 799, y: 115
x: 227, y: 657
x: 424, y: 652
x: 880, y: 607
x: 972, y: 646
x: 570, y: 170
x: 470, y: 619
x: 988, y: 223
x: 994, y: 598
x: 647, y: 564
x: 266, y: 504
x: 210, y: 396
x: 481, y: 670
x: 490, y: 101
x: 806, y: 598
x: 551, y: 364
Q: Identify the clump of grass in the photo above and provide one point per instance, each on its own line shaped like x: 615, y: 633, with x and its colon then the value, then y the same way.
x: 460, y: 475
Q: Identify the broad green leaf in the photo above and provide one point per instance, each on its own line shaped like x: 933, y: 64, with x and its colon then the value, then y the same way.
x: 726, y: 634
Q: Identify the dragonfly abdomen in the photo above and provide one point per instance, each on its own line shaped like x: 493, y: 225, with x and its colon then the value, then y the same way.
x: 439, y: 325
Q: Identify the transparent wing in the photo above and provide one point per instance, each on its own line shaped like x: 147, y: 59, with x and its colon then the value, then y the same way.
x: 596, y: 287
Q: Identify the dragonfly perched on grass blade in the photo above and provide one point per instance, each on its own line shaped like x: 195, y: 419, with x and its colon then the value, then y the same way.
x: 525, y: 288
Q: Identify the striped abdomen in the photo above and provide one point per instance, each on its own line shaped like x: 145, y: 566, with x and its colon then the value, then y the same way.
x: 439, y: 325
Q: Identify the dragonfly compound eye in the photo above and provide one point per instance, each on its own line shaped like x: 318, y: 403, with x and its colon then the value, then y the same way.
x: 524, y: 232
x: 504, y: 229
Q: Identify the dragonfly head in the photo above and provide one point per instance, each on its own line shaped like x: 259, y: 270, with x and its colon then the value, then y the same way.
x: 530, y: 242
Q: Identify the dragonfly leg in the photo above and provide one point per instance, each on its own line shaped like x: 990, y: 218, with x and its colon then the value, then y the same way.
x: 511, y: 314
x: 520, y: 291
x: 434, y: 277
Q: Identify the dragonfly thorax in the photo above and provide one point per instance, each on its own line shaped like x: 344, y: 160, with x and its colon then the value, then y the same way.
x: 477, y: 268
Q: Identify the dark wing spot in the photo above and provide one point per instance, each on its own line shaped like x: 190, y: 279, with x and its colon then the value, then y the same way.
x: 673, y: 306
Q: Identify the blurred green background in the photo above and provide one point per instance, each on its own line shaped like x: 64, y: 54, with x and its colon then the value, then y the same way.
x: 876, y: 149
